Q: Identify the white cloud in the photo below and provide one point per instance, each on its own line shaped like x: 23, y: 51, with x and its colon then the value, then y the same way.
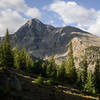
x: 11, y: 20
x: 12, y: 13
x: 18, y: 5
x: 51, y: 21
x: 95, y: 27
x: 34, y: 13
x: 72, y: 13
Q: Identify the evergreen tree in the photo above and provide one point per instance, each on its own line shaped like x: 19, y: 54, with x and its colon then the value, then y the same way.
x: 1, y: 56
x: 22, y: 59
x: 17, y: 57
x: 97, y: 75
x: 7, y: 58
x: 62, y: 73
x: 44, y: 68
x: 83, y: 71
x: 90, y: 83
x: 51, y: 68
x: 29, y: 64
x: 37, y: 69
x: 70, y: 68
x: 79, y: 78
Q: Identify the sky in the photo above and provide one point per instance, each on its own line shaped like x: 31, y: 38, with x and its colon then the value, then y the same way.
x: 84, y: 14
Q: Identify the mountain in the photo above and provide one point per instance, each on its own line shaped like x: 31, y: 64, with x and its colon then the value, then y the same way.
x: 43, y: 40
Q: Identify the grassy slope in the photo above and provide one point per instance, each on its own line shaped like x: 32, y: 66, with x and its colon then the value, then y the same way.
x: 32, y: 91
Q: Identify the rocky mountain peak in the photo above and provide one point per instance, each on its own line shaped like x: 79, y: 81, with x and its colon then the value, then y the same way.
x: 33, y: 21
x: 43, y: 40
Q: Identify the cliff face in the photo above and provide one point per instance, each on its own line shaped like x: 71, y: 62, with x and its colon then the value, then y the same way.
x: 83, y: 47
x: 43, y: 40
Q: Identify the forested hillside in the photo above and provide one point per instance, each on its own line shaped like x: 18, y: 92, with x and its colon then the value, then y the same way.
x: 20, y: 73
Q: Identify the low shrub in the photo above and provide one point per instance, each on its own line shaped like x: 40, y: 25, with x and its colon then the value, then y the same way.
x: 52, y: 82
x: 39, y: 80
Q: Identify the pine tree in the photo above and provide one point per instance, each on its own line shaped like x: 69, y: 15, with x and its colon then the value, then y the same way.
x: 97, y: 75
x: 44, y: 68
x: 83, y: 71
x: 7, y: 58
x: 22, y: 59
x: 1, y: 55
x: 51, y: 68
x: 79, y: 78
x: 17, y: 57
x: 90, y: 83
x: 70, y: 68
x: 29, y: 64
x: 37, y: 69
x: 62, y: 73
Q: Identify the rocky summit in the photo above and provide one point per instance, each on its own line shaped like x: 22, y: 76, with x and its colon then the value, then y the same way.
x: 43, y: 40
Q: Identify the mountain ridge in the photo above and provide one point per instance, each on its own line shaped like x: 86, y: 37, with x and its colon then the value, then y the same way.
x: 42, y: 40
x: 39, y: 32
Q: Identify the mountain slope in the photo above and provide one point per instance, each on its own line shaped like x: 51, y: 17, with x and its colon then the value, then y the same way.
x: 43, y: 40
x: 32, y: 91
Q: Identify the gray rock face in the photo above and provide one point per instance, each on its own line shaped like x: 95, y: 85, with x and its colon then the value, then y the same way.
x: 43, y: 40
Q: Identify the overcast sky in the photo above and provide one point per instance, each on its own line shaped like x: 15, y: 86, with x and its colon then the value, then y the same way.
x: 84, y: 14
